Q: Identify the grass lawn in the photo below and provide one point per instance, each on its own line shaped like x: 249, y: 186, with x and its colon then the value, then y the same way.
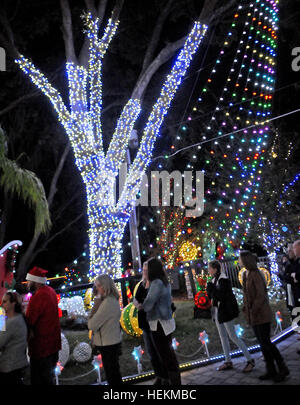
x: 187, y: 334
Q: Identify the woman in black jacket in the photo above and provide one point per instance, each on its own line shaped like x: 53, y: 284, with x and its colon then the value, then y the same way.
x: 224, y: 311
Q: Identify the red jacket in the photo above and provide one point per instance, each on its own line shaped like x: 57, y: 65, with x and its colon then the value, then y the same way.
x: 43, y: 319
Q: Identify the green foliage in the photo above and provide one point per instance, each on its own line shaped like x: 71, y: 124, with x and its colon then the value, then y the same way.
x: 25, y: 185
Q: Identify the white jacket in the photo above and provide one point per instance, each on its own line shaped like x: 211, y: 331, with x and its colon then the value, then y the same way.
x: 105, y: 323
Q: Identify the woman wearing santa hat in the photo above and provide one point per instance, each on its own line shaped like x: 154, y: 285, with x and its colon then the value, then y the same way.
x: 45, y: 335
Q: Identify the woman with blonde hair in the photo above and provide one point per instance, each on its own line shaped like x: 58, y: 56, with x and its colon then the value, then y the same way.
x: 104, y: 321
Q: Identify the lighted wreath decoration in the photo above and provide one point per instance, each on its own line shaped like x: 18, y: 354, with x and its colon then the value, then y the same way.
x: 202, y: 301
x: 263, y: 271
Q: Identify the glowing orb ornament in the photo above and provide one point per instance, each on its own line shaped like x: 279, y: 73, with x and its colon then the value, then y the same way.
x: 265, y: 273
x: 129, y: 321
x: 188, y: 251
x: 64, y: 353
x: 82, y: 352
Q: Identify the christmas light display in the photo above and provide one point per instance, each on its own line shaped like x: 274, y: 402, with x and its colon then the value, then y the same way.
x: 73, y: 305
x: 238, y: 330
x: 188, y: 251
x: 276, y: 233
x: 58, y: 370
x: 98, y: 364
x: 202, y: 301
x: 278, y: 318
x: 175, y: 344
x: 2, y: 320
x: 203, y: 337
x: 88, y: 299
x: 82, y: 122
x: 8, y: 255
x: 264, y: 272
x: 172, y: 224
x: 244, y: 106
x: 129, y: 321
x: 64, y: 353
x: 82, y: 352
x: 137, y: 355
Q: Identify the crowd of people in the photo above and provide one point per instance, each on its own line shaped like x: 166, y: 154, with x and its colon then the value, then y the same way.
x: 291, y: 276
x: 36, y: 334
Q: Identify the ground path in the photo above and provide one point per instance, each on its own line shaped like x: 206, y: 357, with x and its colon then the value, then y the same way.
x: 208, y: 375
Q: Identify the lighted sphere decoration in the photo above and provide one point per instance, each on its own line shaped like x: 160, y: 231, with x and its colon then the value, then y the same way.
x: 129, y: 321
x: 82, y: 352
x: 263, y: 271
x: 202, y: 301
x: 64, y: 353
x: 188, y: 251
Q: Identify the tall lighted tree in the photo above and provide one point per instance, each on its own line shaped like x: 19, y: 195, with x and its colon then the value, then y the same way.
x: 232, y: 111
x: 82, y: 123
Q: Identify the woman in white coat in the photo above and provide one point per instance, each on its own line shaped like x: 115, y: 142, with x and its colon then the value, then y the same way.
x: 104, y: 321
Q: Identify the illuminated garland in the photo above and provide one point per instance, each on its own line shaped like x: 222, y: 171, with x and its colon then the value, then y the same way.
x: 107, y: 220
x: 171, y: 234
x: 264, y: 272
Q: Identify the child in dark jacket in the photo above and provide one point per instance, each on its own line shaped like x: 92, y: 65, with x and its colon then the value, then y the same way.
x: 224, y: 311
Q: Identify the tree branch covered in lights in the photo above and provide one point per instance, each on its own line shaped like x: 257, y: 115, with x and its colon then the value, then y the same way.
x: 81, y: 119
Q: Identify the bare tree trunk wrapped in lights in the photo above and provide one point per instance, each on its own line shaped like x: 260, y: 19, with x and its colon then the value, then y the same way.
x: 82, y: 122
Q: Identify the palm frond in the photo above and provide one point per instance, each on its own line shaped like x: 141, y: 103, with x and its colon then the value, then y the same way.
x: 27, y: 186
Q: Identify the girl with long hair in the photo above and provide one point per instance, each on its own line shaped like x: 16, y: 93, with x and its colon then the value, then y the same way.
x: 158, y: 307
x: 142, y: 290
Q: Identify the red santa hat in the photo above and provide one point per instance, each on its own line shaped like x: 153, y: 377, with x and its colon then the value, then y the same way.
x: 38, y: 275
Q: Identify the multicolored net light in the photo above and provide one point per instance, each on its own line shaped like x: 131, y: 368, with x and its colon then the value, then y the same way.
x: 243, y: 108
